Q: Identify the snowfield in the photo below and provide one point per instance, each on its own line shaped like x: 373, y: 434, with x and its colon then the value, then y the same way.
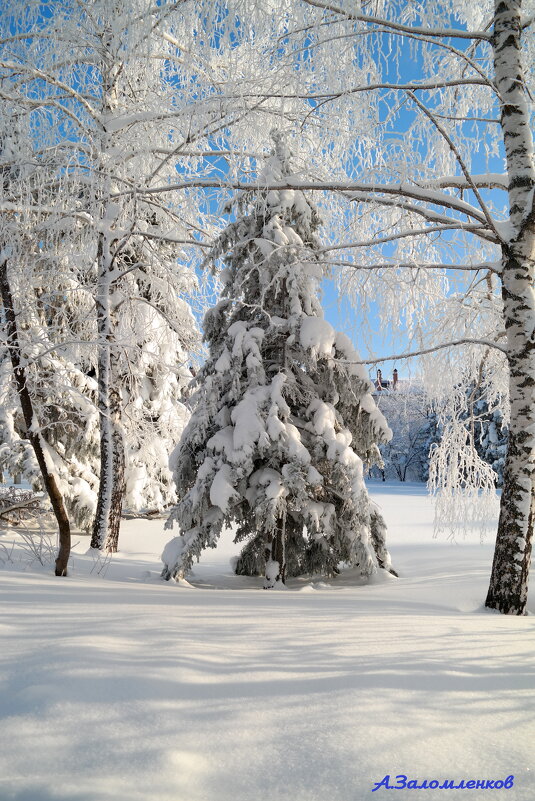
x: 120, y: 686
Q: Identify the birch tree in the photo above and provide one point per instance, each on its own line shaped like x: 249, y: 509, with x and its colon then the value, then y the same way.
x: 100, y: 109
x: 485, y: 84
x: 40, y: 284
x: 430, y: 169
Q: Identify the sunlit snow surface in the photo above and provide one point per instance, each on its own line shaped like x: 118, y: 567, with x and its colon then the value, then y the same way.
x: 121, y: 686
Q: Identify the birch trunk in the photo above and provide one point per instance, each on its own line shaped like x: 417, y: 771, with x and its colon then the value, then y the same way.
x: 512, y: 557
x: 32, y: 426
x: 112, y: 453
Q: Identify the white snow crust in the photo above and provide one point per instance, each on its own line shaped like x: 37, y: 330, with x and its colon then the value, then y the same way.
x: 117, y: 685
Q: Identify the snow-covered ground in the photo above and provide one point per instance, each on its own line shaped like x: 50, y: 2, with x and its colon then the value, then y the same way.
x: 120, y: 686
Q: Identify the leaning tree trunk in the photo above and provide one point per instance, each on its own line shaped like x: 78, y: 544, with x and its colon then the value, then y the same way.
x: 32, y: 427
x: 107, y: 521
x: 509, y: 579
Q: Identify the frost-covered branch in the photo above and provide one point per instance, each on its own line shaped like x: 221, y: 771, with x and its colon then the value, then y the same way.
x: 408, y: 233
x: 399, y: 356
x: 460, y: 161
x: 486, y: 181
x: 451, y: 33
x: 494, y: 267
x: 34, y: 72
x: 358, y: 192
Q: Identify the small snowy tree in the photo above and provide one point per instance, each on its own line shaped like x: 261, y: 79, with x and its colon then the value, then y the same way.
x: 282, y: 419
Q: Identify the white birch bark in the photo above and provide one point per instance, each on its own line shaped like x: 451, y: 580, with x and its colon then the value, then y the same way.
x: 112, y: 455
x: 509, y: 579
x: 112, y: 451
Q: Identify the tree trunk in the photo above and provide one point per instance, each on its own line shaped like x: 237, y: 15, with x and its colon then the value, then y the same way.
x: 276, y: 557
x: 510, y: 569
x: 508, y: 588
x: 112, y: 455
x: 107, y: 521
x: 32, y: 426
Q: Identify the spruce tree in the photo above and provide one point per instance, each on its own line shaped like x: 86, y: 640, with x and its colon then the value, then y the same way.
x: 283, y: 417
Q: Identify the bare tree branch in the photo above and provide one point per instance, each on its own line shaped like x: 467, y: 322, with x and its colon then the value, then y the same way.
x: 460, y: 161
x: 399, y: 356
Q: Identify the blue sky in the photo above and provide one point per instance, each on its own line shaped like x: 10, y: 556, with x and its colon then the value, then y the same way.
x: 338, y: 309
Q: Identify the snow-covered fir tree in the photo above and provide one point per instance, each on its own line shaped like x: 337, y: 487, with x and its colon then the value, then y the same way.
x: 283, y: 416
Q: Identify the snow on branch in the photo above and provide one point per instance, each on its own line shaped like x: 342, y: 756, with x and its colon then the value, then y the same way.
x: 493, y: 266
x: 455, y: 150
x: 409, y: 232
x: 358, y: 191
x: 34, y: 72
x: 490, y: 180
x: 17, y: 505
x: 371, y: 87
x: 422, y: 211
x: 487, y: 343
x: 395, y: 26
